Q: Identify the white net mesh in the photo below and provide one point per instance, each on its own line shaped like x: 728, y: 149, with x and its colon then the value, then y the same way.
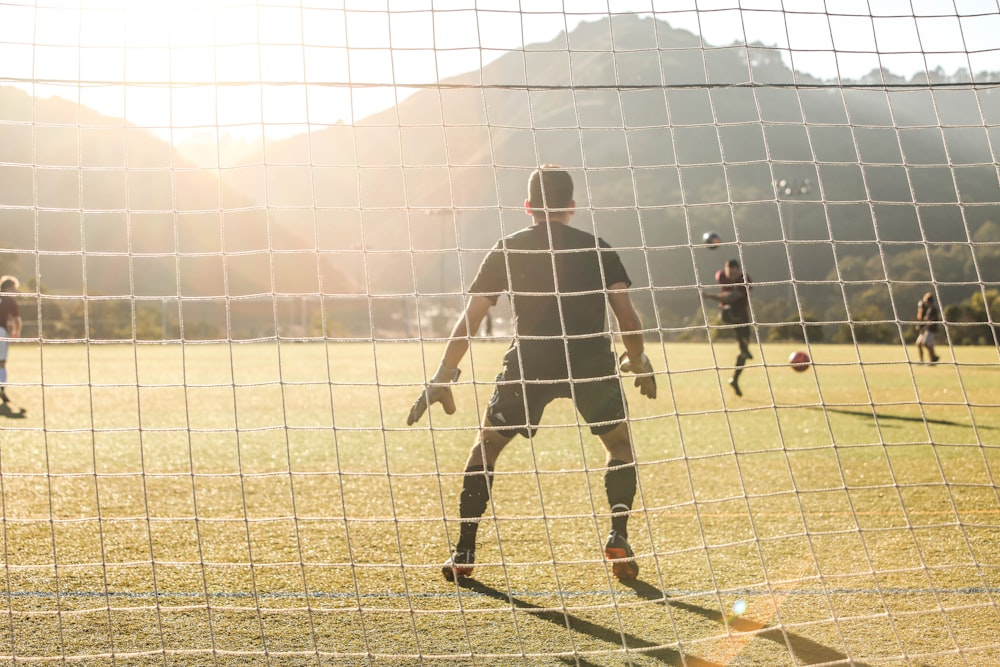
x: 243, y: 233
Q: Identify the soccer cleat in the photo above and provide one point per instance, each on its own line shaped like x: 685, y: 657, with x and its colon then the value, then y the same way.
x: 736, y: 386
x: 3, y: 396
x: 935, y: 359
x: 459, y: 565
x: 623, y: 564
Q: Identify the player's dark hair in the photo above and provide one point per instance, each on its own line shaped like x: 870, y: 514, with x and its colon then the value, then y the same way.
x: 550, y: 186
x: 733, y: 264
x: 8, y: 281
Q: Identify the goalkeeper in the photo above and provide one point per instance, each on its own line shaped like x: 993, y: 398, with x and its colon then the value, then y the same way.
x: 560, y: 280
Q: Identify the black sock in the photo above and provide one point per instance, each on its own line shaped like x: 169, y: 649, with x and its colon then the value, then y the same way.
x: 476, y: 487
x: 741, y: 360
x: 620, y: 486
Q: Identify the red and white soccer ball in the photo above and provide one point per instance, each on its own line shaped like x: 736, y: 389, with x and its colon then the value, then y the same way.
x: 799, y: 361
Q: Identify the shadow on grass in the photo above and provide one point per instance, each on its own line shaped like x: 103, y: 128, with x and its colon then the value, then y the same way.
x: 805, y: 651
x: 878, y: 416
x: 665, y: 655
x: 12, y: 413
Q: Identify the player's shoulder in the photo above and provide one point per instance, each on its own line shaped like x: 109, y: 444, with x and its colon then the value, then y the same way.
x: 518, y: 240
x: 581, y: 238
x: 577, y: 232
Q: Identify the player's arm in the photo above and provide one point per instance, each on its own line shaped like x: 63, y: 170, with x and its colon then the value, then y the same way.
x: 630, y: 327
x: 438, y: 390
x: 629, y: 323
x: 728, y: 297
x: 15, y: 326
x: 471, y: 319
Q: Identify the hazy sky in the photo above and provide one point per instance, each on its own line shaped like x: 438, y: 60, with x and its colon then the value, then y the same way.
x: 86, y: 49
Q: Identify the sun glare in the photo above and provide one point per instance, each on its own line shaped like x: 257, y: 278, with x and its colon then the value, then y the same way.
x: 233, y: 65
x: 246, y: 68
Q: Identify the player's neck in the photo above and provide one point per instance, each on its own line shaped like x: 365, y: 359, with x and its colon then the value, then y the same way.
x: 551, y: 219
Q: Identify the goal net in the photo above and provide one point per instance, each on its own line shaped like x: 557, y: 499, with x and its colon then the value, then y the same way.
x: 243, y: 233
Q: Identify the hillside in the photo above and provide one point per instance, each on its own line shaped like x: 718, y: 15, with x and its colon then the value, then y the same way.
x: 666, y: 140
x: 668, y: 144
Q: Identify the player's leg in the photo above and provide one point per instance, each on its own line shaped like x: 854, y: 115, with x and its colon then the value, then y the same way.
x: 619, y: 480
x: 620, y: 486
x: 929, y: 341
x: 920, y: 345
x: 743, y: 339
x: 602, y: 403
x: 3, y: 368
x: 477, y: 485
x: 515, y: 408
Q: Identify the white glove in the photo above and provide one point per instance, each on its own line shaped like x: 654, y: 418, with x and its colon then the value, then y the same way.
x: 437, y: 391
x: 641, y: 367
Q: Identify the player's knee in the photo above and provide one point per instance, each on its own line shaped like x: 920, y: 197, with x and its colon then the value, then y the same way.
x: 618, y: 443
x: 487, y: 447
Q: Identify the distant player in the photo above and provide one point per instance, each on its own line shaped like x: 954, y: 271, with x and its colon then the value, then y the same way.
x: 560, y: 281
x: 928, y: 316
x: 10, y: 327
x: 734, y: 308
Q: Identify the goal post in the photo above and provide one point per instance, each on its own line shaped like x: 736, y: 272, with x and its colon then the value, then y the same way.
x: 244, y: 231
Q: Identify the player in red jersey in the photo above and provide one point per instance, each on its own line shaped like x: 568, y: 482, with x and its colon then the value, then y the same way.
x: 734, y: 309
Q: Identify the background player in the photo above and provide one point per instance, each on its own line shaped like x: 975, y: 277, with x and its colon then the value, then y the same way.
x: 10, y: 327
x: 560, y: 281
x: 928, y: 316
x: 734, y: 308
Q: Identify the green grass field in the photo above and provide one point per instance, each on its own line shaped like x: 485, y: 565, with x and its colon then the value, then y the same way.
x: 266, y: 504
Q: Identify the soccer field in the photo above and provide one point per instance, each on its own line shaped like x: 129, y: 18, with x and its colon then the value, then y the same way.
x: 212, y: 504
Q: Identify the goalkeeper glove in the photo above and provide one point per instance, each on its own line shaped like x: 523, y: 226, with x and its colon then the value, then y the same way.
x: 436, y: 391
x: 641, y: 367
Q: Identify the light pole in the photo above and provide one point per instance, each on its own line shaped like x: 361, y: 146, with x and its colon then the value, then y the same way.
x: 792, y: 188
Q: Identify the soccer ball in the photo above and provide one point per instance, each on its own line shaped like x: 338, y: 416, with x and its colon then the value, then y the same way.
x: 799, y: 361
x: 711, y: 239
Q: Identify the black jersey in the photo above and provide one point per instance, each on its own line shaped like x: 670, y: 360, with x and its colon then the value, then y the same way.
x: 928, y: 313
x: 557, y: 278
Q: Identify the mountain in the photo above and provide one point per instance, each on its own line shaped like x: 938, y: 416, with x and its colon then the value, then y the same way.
x: 95, y: 206
x: 665, y: 139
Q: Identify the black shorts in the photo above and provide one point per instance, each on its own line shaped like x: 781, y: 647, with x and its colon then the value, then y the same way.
x: 742, y: 331
x: 517, y: 405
